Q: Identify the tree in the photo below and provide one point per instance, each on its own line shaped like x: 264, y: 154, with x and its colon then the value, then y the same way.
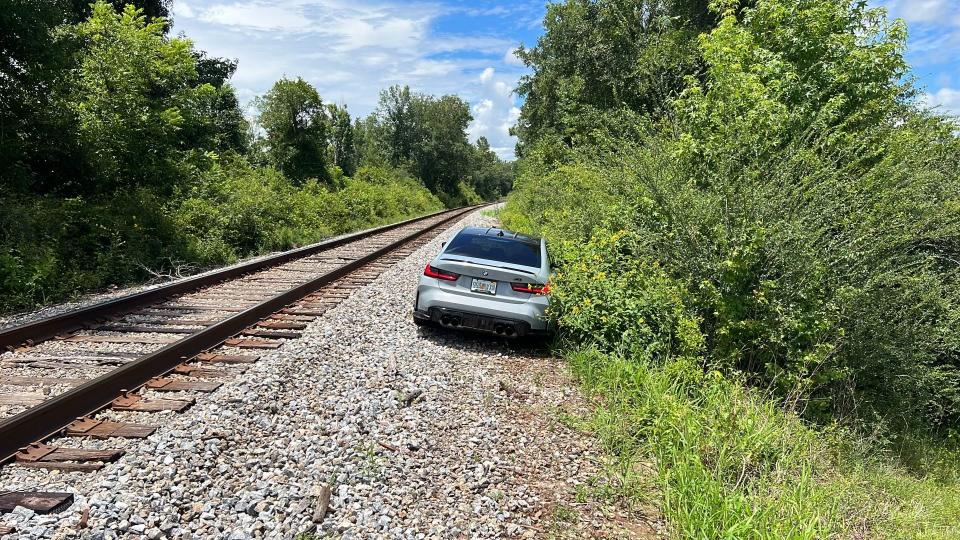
x: 151, y: 9
x: 367, y: 139
x: 395, y: 118
x: 491, y: 177
x: 218, y: 121
x: 343, y: 147
x: 32, y: 133
x: 94, y: 99
x: 129, y: 93
x: 597, y: 57
x: 428, y: 135
x: 294, y: 118
x: 442, y: 157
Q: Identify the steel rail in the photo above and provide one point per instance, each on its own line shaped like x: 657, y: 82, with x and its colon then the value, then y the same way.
x: 53, y: 415
x: 46, y: 328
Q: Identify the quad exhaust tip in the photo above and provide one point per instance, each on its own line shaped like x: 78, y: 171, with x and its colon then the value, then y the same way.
x: 500, y: 329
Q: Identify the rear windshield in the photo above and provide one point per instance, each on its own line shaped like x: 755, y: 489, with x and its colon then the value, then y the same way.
x: 495, y: 248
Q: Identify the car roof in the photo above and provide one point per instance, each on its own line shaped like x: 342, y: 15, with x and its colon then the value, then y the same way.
x: 502, y: 233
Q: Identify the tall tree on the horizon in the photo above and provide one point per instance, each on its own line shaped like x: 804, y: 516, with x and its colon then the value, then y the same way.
x: 295, y: 121
x: 343, y: 147
x: 426, y: 134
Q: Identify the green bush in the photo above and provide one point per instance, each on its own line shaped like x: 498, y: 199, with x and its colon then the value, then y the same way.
x: 823, y: 267
x: 52, y: 249
x: 788, y: 251
x: 56, y: 248
x: 608, y: 294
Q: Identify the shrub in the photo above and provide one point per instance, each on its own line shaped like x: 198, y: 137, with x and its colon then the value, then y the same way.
x: 56, y: 248
x: 52, y: 249
x: 610, y: 296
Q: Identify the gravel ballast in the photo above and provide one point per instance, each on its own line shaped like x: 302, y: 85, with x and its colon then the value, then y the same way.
x: 407, y: 432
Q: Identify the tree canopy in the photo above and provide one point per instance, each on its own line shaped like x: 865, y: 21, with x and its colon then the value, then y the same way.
x: 600, y: 57
x: 125, y: 148
x: 294, y: 118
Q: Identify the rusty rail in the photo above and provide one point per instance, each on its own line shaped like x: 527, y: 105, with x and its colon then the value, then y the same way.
x: 53, y: 415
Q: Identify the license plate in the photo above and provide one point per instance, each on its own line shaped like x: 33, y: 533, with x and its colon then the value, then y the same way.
x: 484, y: 286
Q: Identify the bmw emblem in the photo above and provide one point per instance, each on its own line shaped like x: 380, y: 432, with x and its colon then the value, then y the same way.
x: 485, y: 273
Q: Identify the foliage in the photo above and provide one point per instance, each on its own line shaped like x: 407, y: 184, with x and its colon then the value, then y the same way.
x: 54, y: 248
x: 343, y: 147
x: 492, y: 177
x: 730, y: 464
x: 127, y: 95
x: 294, y: 118
x: 610, y: 295
x: 817, y: 243
x: 791, y: 206
x: 124, y: 153
x: 428, y: 136
x: 30, y: 127
x: 152, y: 9
x: 233, y: 211
x: 600, y: 57
x: 237, y: 210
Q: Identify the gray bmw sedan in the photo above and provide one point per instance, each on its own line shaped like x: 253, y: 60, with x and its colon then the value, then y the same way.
x: 487, y: 279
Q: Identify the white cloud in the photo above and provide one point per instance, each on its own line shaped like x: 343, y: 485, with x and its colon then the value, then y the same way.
x: 495, y: 112
x: 923, y: 11
x: 257, y: 16
x: 511, y: 58
x: 946, y: 100
x: 390, y: 32
x: 182, y: 9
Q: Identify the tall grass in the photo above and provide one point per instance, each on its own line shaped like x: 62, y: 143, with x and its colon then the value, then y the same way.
x: 730, y: 464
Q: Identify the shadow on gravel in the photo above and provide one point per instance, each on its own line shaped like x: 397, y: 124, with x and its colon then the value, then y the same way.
x: 485, y: 343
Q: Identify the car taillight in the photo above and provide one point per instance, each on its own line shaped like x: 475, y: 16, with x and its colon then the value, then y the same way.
x: 430, y: 271
x: 531, y: 288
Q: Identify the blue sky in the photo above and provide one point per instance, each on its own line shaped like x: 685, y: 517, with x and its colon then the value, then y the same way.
x: 351, y: 49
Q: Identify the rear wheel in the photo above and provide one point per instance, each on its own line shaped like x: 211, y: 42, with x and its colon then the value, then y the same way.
x: 421, y: 322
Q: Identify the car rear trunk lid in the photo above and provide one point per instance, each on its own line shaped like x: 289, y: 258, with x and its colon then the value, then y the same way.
x: 488, y: 270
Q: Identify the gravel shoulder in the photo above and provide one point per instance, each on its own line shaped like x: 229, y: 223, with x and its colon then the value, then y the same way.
x: 418, y: 433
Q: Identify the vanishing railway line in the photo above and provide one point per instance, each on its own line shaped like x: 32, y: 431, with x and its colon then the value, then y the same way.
x: 67, y: 376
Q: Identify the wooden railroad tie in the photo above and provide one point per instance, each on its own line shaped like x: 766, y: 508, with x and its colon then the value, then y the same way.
x: 226, y: 358
x: 201, y: 372
x: 312, y: 312
x: 124, y: 339
x: 40, y: 381
x: 134, y: 402
x: 103, y: 429
x: 179, y: 385
x: 149, y: 329
x: 253, y: 332
x: 252, y: 343
x: 196, y: 307
x: 25, y: 399
x: 282, y: 325
x: 38, y: 501
x: 43, y: 456
x: 294, y: 318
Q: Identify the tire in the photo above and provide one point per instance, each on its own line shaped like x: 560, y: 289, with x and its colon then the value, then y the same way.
x: 421, y: 322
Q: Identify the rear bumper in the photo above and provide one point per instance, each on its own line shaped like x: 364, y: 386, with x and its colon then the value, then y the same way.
x: 457, y: 311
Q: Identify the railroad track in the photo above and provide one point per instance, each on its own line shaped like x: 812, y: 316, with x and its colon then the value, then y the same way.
x: 70, y: 377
